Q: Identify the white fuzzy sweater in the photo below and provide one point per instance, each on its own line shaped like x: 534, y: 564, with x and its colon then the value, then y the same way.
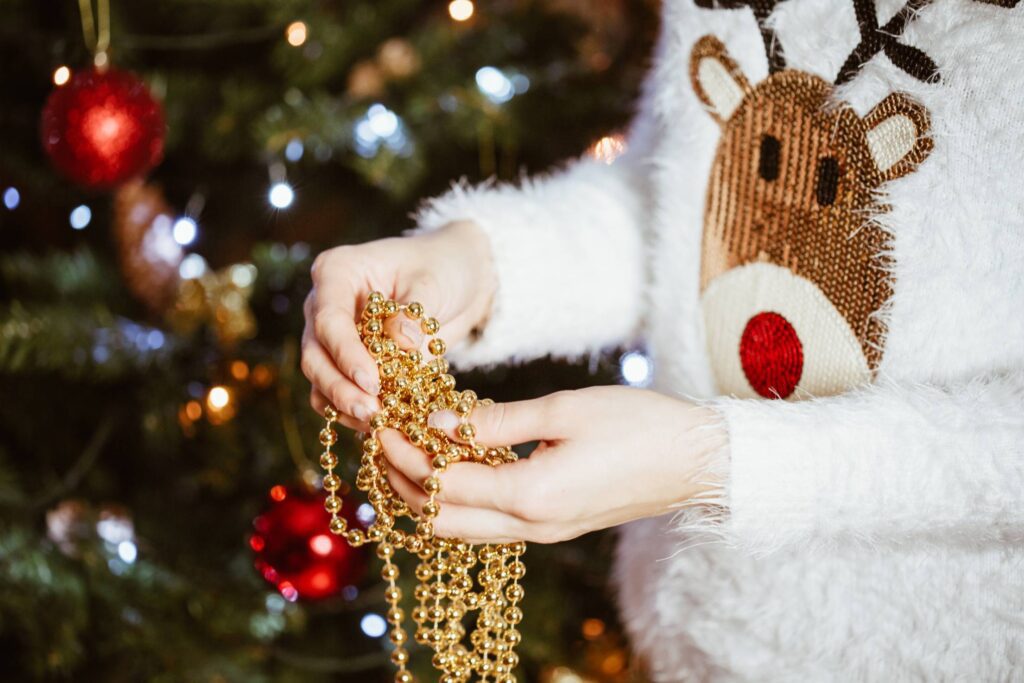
x: 873, y: 524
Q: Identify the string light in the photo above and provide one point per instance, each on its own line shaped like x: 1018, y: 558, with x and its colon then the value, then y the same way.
x: 185, y: 231
x: 12, y: 198
x: 608, y: 148
x: 635, y: 368
x: 80, y: 217
x: 296, y: 33
x: 127, y: 551
x: 494, y: 84
x: 61, y: 75
x: 294, y: 150
x: 192, y: 266
x: 373, y: 625
x: 218, y: 398
x: 460, y: 10
x: 281, y: 195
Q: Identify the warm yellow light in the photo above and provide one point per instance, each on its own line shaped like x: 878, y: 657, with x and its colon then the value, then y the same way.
x: 218, y: 398
x: 460, y: 10
x: 296, y: 33
x: 61, y: 75
x: 608, y: 148
x: 592, y: 628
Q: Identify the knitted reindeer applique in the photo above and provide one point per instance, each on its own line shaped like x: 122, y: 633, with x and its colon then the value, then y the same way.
x: 793, y: 268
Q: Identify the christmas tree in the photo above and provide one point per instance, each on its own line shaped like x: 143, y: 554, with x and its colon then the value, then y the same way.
x: 160, y: 511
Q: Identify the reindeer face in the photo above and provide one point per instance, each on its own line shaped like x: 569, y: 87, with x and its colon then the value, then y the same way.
x: 792, y: 271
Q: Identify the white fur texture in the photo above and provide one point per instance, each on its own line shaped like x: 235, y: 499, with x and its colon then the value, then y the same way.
x: 877, y: 535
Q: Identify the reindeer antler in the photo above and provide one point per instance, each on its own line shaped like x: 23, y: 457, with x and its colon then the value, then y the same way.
x: 875, y: 39
x: 761, y: 9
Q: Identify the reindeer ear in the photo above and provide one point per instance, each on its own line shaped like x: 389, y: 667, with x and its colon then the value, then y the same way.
x: 717, y: 79
x: 896, y: 131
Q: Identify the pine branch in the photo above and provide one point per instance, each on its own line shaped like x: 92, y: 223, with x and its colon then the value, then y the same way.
x: 92, y: 343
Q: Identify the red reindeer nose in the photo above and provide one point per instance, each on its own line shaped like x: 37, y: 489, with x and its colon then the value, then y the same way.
x: 771, y: 355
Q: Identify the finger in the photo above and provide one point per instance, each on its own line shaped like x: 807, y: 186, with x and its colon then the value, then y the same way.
x: 483, y: 486
x: 408, y: 459
x: 406, y: 332
x: 504, y: 423
x: 318, y: 400
x: 410, y: 492
x: 345, y: 396
x: 335, y: 329
x: 476, y: 525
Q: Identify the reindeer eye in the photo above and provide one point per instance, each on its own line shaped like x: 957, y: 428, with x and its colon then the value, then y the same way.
x: 768, y: 164
x: 828, y: 180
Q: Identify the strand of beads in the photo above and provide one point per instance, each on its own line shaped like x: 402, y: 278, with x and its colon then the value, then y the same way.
x: 454, y: 579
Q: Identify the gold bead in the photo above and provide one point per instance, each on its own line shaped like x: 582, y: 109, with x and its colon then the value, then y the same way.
x: 378, y: 421
x: 332, y: 504
x: 399, y: 656
x: 338, y: 525
x: 332, y: 482
x: 330, y: 414
x: 430, y: 509
x: 514, y: 592
x: 375, y: 297
x: 398, y: 636
x: 432, y: 485
x: 466, y: 431
x: 328, y: 460
x: 440, y: 462
x: 389, y: 572
x: 392, y: 593
x: 436, y: 346
x: 430, y: 325
x: 414, y: 310
x: 371, y: 445
x: 328, y: 437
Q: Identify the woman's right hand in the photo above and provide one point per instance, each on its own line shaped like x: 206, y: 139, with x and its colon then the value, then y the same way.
x: 448, y: 270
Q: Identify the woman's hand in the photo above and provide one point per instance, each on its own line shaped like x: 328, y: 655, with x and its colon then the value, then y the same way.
x: 607, y: 455
x: 449, y: 271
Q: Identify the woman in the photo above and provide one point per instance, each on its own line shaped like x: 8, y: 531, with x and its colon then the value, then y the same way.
x: 818, y: 230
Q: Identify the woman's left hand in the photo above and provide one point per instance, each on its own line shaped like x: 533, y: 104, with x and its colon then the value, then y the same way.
x: 607, y: 455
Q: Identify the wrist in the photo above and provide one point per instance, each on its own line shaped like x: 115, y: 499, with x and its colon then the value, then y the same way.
x: 709, y: 452
x: 477, y: 262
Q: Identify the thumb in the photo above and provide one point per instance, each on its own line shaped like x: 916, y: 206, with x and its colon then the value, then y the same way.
x: 499, y: 424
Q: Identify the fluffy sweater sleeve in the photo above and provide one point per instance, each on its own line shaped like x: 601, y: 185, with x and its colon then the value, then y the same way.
x: 886, y: 463
x: 568, y: 250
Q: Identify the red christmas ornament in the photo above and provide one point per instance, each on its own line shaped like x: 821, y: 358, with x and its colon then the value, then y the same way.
x: 296, y: 552
x: 103, y: 128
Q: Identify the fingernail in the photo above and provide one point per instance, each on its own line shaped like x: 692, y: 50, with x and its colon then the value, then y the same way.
x: 412, y: 331
x: 361, y: 413
x: 370, y: 385
x: 443, y: 419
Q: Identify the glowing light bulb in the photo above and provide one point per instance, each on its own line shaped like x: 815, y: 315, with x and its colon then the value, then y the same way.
x: 192, y: 266
x: 608, y: 148
x: 61, y: 75
x: 635, y: 368
x: 495, y: 85
x: 80, y: 217
x: 185, y: 231
x: 127, y: 551
x: 218, y: 398
x: 373, y: 625
x: 296, y: 33
x: 281, y: 195
x: 12, y: 198
x: 460, y: 10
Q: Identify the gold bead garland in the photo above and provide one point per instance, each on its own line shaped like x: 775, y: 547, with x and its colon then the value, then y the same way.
x: 455, y: 578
